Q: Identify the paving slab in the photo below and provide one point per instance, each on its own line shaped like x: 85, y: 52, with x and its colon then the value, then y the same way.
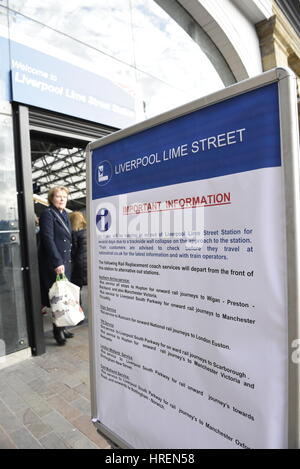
x: 45, y: 400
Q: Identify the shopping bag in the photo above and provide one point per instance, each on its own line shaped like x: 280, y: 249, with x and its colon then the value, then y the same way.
x: 64, y: 301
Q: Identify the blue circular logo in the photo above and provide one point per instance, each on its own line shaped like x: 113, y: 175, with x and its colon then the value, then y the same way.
x: 104, y: 172
x: 103, y: 220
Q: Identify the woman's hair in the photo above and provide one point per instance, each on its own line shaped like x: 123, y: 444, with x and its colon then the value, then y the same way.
x: 78, y: 221
x: 53, y: 191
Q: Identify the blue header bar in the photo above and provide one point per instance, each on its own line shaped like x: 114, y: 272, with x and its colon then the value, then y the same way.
x: 44, y: 81
x: 236, y: 135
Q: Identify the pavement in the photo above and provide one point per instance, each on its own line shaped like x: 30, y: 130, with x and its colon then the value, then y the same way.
x: 45, y: 400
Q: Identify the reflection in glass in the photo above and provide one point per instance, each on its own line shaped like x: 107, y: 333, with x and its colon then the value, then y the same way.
x: 13, y: 331
x: 38, y: 36
x: 101, y: 24
x: 134, y: 43
x: 4, y: 54
x: 151, y: 91
x: 3, y: 13
x: 174, y: 58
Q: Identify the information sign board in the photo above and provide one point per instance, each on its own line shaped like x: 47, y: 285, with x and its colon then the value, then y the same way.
x: 192, y: 273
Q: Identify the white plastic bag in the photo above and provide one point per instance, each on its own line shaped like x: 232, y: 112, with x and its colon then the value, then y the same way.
x: 64, y: 301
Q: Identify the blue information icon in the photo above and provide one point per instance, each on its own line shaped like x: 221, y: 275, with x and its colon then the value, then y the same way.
x: 104, y: 173
x: 103, y: 220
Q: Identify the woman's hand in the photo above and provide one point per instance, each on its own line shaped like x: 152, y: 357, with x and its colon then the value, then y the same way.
x: 60, y: 270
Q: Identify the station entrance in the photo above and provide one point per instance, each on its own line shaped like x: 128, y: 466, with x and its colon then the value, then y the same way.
x: 50, y: 151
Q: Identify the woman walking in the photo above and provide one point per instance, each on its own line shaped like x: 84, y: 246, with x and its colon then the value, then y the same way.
x: 55, y: 249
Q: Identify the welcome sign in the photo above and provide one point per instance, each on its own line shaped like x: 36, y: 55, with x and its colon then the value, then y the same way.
x: 41, y: 80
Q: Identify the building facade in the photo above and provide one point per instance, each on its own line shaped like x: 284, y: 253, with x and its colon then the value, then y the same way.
x: 74, y: 71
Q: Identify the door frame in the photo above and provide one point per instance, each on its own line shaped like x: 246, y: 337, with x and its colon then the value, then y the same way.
x: 26, y: 119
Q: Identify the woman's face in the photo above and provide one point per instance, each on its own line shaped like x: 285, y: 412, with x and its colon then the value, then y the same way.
x: 60, y: 200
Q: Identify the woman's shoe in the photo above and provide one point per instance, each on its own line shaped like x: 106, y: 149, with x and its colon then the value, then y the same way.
x: 59, y: 335
x: 68, y: 334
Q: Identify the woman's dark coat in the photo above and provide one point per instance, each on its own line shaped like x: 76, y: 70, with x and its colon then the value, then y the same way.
x: 55, y: 248
x: 79, y: 258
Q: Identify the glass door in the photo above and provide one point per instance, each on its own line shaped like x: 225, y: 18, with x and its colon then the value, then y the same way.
x: 13, y: 324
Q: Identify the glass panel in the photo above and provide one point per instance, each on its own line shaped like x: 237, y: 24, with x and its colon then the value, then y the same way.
x: 133, y: 43
x: 4, y: 54
x: 13, y: 330
x: 104, y: 25
x: 61, y: 47
x: 122, y: 39
x: 173, y: 57
x: 156, y: 96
